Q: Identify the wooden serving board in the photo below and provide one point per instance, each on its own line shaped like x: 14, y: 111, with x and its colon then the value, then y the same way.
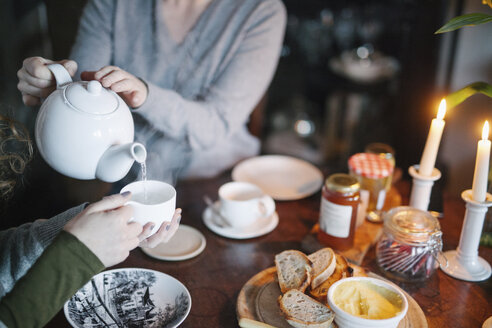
x: 258, y: 301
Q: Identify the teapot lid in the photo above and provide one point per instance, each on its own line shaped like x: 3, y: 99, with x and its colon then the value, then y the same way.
x: 90, y: 97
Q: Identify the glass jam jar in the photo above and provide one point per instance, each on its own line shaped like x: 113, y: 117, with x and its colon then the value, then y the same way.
x: 410, y: 245
x: 374, y: 173
x: 338, y: 211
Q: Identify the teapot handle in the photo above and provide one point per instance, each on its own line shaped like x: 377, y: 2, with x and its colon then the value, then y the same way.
x: 61, y: 75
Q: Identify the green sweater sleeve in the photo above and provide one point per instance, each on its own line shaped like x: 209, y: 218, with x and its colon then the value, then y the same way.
x: 65, y: 266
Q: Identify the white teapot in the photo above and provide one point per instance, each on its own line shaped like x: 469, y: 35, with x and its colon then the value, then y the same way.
x: 86, y: 131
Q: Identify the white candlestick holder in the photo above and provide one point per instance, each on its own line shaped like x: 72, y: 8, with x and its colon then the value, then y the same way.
x: 422, y: 187
x: 464, y: 262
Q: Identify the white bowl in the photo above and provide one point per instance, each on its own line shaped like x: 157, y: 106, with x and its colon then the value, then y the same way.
x: 346, y: 320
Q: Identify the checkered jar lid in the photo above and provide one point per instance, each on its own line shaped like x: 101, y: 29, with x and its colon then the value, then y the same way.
x: 370, y: 166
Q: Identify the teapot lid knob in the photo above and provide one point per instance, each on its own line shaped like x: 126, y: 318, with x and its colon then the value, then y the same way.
x: 94, y: 87
x: 91, y: 97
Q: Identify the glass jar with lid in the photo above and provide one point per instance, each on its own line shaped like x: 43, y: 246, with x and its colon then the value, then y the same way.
x: 411, y: 244
x: 384, y: 151
x: 373, y: 173
x: 338, y: 211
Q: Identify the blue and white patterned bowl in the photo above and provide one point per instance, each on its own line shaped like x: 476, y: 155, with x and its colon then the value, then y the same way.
x: 129, y: 297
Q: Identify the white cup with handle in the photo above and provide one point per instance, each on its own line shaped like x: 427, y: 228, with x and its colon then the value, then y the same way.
x: 243, y: 203
x: 152, y: 201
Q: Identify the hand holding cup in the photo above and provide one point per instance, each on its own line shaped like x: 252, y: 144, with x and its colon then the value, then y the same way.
x: 153, y: 203
x: 163, y: 235
x: 105, y: 229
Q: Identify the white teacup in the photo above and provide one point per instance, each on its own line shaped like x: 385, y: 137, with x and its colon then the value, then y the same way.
x: 242, y: 203
x: 156, y: 203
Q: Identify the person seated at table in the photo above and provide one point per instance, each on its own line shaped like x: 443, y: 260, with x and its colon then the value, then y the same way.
x: 42, y: 264
x: 193, y: 72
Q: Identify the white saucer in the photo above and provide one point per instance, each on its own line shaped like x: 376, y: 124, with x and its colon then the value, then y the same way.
x: 131, y: 297
x: 281, y: 177
x: 186, y: 243
x: 258, y: 228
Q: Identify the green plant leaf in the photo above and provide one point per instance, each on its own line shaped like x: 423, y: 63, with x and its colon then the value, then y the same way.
x: 465, y: 20
x: 457, y: 97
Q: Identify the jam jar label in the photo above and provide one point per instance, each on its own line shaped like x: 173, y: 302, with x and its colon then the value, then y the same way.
x: 335, y: 219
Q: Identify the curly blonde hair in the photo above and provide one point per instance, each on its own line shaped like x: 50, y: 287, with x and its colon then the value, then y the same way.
x: 16, y: 151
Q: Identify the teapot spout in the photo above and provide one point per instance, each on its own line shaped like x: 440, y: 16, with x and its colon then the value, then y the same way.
x: 117, y: 160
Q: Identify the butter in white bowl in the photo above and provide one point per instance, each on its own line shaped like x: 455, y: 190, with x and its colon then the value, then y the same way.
x: 367, y: 302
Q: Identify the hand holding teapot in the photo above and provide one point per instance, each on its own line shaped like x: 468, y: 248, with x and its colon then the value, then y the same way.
x: 36, y: 81
x: 129, y: 87
x: 82, y: 129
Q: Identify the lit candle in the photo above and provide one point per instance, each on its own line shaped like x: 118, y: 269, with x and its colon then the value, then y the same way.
x: 479, y: 187
x: 433, y: 140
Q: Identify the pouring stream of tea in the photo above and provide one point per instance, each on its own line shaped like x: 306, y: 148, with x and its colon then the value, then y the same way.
x: 144, y: 179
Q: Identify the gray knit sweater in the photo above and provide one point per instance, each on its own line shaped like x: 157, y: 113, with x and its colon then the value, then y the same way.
x: 20, y: 247
x: 201, y: 91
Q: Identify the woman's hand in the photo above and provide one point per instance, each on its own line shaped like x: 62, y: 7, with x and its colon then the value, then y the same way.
x: 129, y: 87
x: 163, y: 235
x: 104, y: 228
x: 36, y: 81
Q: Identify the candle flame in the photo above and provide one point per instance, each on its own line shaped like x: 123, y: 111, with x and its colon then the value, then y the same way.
x: 442, y: 109
x: 485, y: 131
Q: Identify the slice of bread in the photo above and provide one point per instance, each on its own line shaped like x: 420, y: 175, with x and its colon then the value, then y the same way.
x: 324, y: 264
x: 293, y: 270
x: 342, y: 270
x: 301, y: 311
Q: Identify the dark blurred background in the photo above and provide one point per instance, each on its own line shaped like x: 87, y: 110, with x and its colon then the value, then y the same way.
x: 353, y: 73
x: 350, y: 73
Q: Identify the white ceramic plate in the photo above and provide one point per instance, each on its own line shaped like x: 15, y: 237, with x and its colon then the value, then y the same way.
x: 281, y: 177
x: 131, y: 297
x: 186, y: 243
x: 258, y: 228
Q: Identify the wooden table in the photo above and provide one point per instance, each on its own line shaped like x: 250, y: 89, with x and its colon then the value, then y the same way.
x: 216, y: 276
